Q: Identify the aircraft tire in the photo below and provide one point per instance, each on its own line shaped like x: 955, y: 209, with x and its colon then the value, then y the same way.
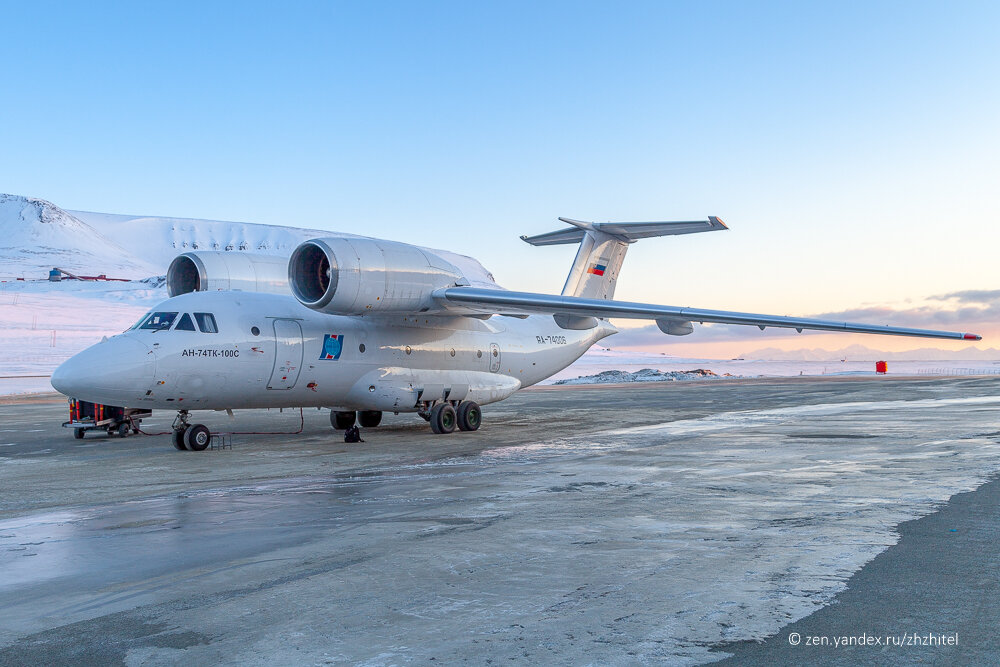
x: 443, y: 418
x: 369, y: 418
x: 78, y: 433
x: 197, y: 437
x: 470, y: 416
x: 342, y: 420
x: 178, y: 438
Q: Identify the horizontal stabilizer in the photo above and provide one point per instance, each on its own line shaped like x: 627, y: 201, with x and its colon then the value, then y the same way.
x: 624, y: 231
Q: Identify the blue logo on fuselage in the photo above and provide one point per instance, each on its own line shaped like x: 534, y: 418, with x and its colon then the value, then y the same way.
x: 333, y: 345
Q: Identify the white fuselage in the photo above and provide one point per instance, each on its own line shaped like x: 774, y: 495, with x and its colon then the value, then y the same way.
x: 271, y: 351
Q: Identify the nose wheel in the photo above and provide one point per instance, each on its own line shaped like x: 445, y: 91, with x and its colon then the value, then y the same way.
x: 197, y: 438
x: 191, y: 437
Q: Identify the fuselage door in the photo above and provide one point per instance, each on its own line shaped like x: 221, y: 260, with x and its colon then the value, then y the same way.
x: 287, y: 354
x: 494, y: 358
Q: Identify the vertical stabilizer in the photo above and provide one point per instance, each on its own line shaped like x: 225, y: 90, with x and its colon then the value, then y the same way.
x: 603, y: 246
x: 595, y: 269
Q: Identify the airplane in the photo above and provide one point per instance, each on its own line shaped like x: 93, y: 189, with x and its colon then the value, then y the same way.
x: 364, y: 326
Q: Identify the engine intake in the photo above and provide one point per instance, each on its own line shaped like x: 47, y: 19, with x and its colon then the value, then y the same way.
x: 216, y: 270
x: 354, y: 276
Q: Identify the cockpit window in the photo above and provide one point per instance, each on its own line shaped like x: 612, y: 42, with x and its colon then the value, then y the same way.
x: 206, y: 322
x: 159, y: 321
x: 138, y: 322
x: 185, y: 323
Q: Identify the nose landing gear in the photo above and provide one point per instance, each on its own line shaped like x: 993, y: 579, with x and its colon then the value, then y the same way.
x: 195, y: 438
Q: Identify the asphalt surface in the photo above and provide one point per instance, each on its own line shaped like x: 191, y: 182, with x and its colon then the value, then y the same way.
x: 659, y: 524
x: 930, y: 599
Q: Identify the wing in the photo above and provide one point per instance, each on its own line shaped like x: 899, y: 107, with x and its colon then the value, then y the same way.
x: 572, y: 311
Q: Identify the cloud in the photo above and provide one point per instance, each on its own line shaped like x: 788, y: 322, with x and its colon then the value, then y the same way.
x: 983, y: 296
x: 922, y: 316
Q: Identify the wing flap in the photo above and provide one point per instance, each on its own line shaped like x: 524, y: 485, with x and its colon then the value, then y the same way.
x: 523, y: 303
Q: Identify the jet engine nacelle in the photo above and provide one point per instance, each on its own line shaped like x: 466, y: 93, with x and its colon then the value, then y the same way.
x: 209, y: 270
x: 355, y: 276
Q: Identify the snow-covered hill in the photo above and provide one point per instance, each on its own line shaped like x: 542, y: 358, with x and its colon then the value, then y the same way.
x: 36, y: 236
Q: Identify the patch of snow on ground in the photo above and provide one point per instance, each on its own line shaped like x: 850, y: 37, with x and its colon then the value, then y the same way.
x: 644, y: 375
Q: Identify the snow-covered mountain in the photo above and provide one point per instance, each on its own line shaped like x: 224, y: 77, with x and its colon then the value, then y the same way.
x: 36, y: 235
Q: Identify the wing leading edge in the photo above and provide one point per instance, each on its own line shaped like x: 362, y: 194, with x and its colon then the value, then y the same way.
x: 493, y: 301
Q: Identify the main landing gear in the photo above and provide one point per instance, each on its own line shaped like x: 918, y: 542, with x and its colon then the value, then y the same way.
x: 444, y: 417
x: 193, y: 437
x: 345, y: 420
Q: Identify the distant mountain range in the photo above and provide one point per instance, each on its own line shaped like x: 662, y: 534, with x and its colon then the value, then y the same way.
x: 862, y: 353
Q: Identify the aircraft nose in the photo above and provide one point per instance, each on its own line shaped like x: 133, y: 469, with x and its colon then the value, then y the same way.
x: 116, y: 371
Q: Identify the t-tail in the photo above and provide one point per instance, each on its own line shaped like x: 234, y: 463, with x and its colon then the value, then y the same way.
x: 603, y: 246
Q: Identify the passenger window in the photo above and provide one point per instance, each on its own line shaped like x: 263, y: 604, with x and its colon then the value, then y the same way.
x: 185, y: 323
x: 159, y: 321
x: 206, y: 322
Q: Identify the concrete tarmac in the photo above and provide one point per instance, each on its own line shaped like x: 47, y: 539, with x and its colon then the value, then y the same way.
x: 667, y: 523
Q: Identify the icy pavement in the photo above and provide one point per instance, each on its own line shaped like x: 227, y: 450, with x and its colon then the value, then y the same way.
x: 607, y: 546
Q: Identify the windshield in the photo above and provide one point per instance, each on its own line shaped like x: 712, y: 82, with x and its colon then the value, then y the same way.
x: 185, y: 323
x: 138, y: 322
x: 159, y: 321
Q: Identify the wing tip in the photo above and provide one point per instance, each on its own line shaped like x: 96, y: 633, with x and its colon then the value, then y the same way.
x: 972, y: 336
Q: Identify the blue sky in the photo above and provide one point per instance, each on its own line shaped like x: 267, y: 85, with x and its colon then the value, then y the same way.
x: 851, y: 146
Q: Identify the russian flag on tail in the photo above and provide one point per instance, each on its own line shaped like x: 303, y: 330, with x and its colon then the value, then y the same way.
x: 597, y: 269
